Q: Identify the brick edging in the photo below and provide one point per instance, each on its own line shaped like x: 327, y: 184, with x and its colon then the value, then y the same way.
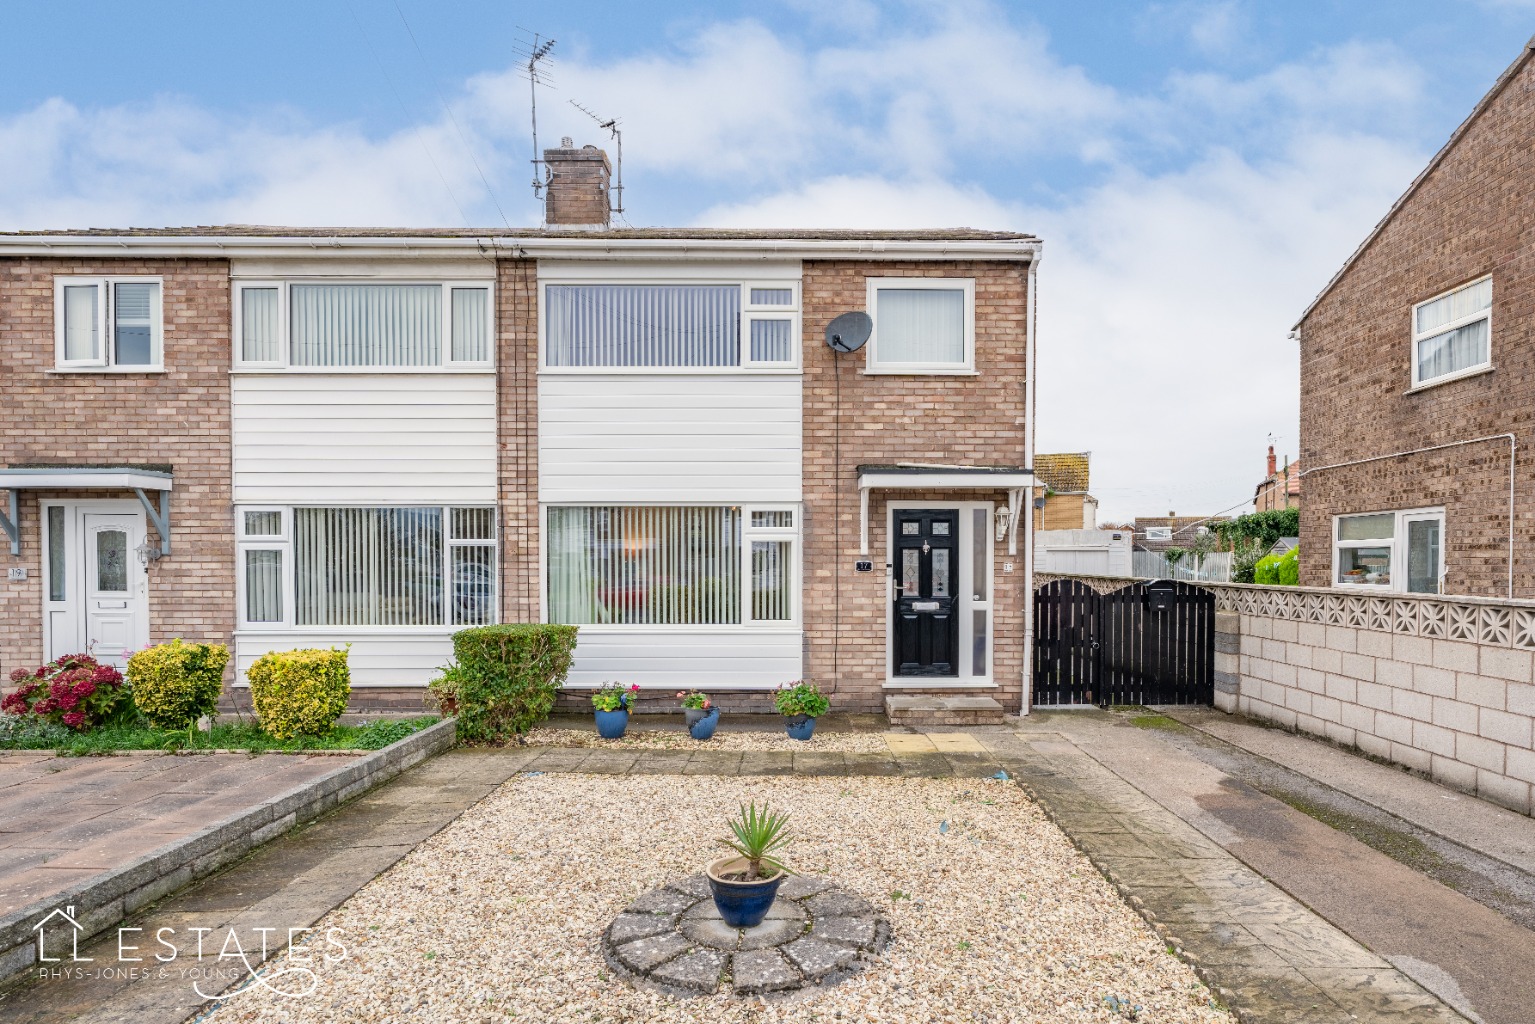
x: 110, y: 897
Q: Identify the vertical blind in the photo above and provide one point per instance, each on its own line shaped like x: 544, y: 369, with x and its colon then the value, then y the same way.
x: 471, y: 325
x: 772, y: 580
x: 263, y: 585
x: 81, y: 340
x: 368, y: 566
x: 366, y: 324
x: 920, y: 325
x: 642, y: 325
x: 132, y: 322
x: 260, y: 334
x: 772, y: 341
x: 661, y: 565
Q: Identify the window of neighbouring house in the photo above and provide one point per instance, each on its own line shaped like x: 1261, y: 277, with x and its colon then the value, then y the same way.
x: 682, y: 326
x: 1398, y: 551
x: 921, y: 325
x: 108, y: 323
x: 342, y: 325
x: 1452, y: 333
x: 671, y: 565
x: 342, y: 567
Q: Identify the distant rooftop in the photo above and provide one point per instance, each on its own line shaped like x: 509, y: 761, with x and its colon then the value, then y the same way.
x: 279, y: 231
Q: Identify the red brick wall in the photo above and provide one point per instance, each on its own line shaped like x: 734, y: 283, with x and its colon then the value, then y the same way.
x: 179, y: 417
x: 948, y: 420
x: 1473, y: 215
x: 517, y: 427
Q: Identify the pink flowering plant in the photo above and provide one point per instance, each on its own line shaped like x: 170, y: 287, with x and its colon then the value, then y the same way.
x: 615, y: 697
x: 75, y: 691
x: 695, y: 700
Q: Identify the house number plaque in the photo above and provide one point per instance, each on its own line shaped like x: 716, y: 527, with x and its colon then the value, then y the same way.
x: 18, y: 573
x: 863, y: 566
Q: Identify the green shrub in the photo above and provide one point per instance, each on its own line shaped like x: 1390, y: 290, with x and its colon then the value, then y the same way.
x: 1278, y: 570
x: 1267, y: 570
x: 177, y: 683
x: 800, y: 698
x: 299, y: 693
x: 504, y: 678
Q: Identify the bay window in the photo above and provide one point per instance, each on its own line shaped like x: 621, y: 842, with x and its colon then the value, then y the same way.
x: 1390, y: 551
x: 341, y: 325
x: 1452, y: 334
x: 921, y: 325
x: 678, y: 326
x: 108, y: 323
x: 672, y: 565
x: 344, y: 567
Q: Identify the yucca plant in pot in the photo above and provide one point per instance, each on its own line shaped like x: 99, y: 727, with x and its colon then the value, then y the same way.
x: 745, y: 884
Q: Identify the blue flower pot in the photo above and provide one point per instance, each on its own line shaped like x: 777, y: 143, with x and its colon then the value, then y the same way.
x: 799, y: 727
x: 611, y: 724
x: 701, y: 724
x: 742, y: 904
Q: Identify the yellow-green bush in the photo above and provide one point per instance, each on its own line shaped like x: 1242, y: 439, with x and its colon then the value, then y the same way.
x: 177, y: 683
x: 299, y: 693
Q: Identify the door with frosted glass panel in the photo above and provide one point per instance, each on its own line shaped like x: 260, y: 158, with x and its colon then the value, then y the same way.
x: 1425, y: 553
x: 926, y: 552
x: 116, y: 589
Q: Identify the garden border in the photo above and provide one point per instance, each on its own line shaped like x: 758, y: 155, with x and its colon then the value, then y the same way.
x: 113, y: 895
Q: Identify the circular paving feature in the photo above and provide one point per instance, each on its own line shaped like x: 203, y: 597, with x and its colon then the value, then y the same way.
x: 816, y: 934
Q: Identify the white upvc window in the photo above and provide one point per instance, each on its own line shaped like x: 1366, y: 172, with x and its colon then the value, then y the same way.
x: 676, y: 326
x: 369, y: 326
x: 108, y: 323
x: 1398, y: 551
x: 1452, y: 334
x: 380, y: 567
x: 672, y: 565
x: 922, y: 325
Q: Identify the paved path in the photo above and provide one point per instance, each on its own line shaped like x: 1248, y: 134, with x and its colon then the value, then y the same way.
x: 66, y: 819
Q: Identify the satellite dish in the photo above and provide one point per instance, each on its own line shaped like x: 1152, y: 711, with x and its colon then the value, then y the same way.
x: 848, y: 332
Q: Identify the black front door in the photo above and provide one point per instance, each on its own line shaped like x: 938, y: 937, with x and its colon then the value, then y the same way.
x: 926, y: 581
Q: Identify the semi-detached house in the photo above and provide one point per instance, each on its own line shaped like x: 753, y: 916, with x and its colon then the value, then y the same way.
x: 280, y: 438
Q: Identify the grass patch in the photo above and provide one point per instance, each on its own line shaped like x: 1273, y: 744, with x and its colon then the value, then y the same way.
x: 231, y: 736
x: 1150, y: 721
x: 1400, y: 847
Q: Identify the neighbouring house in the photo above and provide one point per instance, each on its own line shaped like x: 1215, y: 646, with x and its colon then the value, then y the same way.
x: 1280, y: 488
x: 1064, y: 503
x: 1416, y: 368
x: 292, y: 437
x: 1158, y: 533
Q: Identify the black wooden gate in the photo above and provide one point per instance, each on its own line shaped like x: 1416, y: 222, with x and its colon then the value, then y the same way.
x: 1150, y: 643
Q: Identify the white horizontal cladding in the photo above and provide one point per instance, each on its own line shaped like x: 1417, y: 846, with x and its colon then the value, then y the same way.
x: 717, y: 659
x: 358, y: 438
x: 398, y: 658
x: 606, y: 438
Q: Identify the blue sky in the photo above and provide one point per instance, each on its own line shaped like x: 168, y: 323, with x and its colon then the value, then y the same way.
x: 1198, y: 168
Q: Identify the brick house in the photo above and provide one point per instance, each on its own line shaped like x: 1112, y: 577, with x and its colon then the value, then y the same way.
x: 1418, y: 376
x: 1280, y: 488
x: 280, y: 438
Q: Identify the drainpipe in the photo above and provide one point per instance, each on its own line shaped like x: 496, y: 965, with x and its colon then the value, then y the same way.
x: 1513, y: 446
x: 1031, y: 319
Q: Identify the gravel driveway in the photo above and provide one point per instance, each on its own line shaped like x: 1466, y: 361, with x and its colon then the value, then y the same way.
x: 996, y: 917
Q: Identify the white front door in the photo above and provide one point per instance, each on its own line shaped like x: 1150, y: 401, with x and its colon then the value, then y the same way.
x: 114, y: 598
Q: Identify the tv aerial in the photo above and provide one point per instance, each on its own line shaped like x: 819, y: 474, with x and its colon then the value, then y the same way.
x: 611, y: 124
x: 849, y: 332
x: 536, y: 53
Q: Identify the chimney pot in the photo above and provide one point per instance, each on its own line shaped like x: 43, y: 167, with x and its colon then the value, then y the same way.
x: 1273, y: 466
x: 566, y: 142
x: 577, y: 196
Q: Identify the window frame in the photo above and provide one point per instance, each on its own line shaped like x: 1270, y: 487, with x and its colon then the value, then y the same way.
x: 1414, y: 384
x: 749, y: 533
x: 106, y: 297
x: 1397, y: 543
x: 873, y: 365
x: 284, y: 288
x: 749, y: 312
x: 284, y: 544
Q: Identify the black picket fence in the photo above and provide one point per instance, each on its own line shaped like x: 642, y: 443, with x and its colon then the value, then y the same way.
x: 1152, y: 642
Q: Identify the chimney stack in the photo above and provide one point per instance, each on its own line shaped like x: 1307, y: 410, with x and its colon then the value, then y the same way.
x: 577, y: 195
x: 1273, y: 466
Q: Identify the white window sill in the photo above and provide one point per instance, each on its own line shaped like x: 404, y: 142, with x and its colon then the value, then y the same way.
x: 669, y: 371
x: 327, y: 371
x: 1475, y: 371
x: 105, y: 371
x: 931, y: 683
x: 918, y: 371
x: 1366, y: 588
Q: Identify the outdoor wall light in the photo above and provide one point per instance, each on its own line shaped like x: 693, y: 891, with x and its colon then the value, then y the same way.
x: 1004, y: 519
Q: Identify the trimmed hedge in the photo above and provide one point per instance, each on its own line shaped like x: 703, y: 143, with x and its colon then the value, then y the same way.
x: 1279, y: 570
x: 177, y: 683
x: 299, y: 693
x: 504, y: 678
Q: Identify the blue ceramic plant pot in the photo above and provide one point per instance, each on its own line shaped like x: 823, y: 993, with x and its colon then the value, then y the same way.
x: 611, y: 724
x: 799, y: 727
x: 701, y: 724
x: 742, y: 904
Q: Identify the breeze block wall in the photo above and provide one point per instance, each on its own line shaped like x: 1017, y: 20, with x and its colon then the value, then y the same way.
x: 947, y: 420
x: 1471, y: 215
x: 178, y: 419
x: 1445, y: 687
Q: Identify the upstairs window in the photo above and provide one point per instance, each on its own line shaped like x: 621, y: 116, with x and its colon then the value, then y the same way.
x: 1452, y: 334
x: 363, y: 326
x: 922, y: 325
x: 106, y: 323
x: 681, y: 326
